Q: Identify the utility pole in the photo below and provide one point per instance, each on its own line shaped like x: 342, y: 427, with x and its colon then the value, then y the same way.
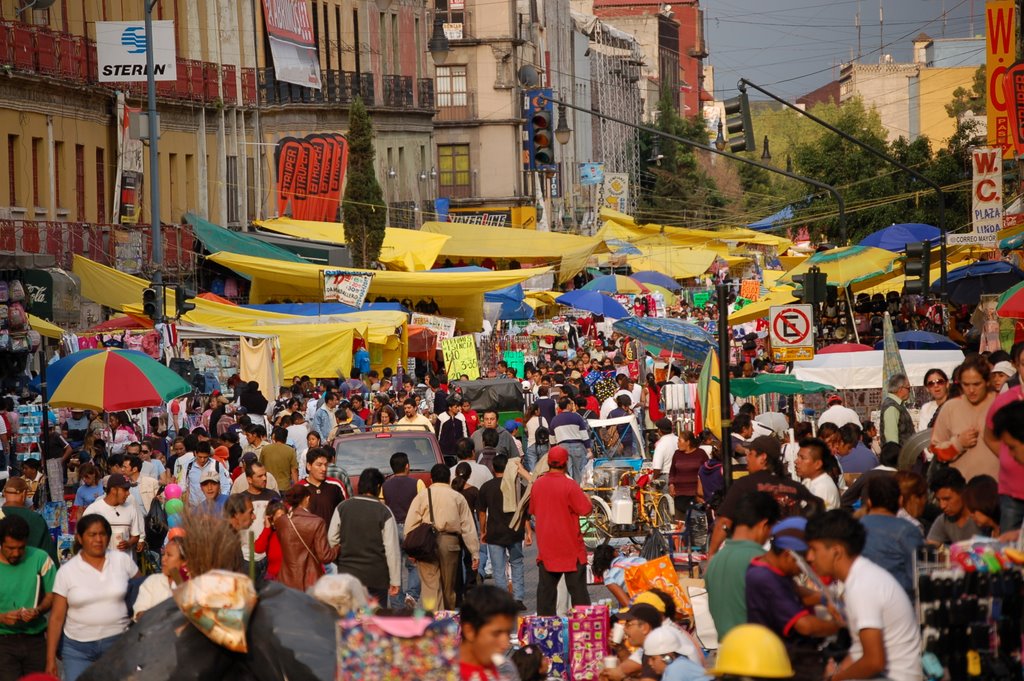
x: 154, y: 159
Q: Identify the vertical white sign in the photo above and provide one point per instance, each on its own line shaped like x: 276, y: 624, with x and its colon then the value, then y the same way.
x: 986, y: 198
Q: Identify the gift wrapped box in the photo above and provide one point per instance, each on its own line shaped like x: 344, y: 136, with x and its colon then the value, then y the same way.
x: 398, y: 649
x: 588, y: 641
x: 551, y: 635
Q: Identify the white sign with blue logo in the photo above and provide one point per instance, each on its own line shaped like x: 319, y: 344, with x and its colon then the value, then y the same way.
x: 121, y: 51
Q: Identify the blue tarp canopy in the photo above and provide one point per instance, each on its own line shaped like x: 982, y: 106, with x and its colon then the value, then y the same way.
x: 767, y: 223
x: 511, y: 301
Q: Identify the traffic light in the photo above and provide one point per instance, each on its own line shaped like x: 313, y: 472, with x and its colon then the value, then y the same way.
x: 812, y: 287
x: 917, y: 267
x: 153, y: 303
x: 540, y: 131
x: 800, y: 293
x: 739, y: 127
x: 181, y: 304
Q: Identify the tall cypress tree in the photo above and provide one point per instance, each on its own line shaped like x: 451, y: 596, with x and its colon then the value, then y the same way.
x: 363, y: 208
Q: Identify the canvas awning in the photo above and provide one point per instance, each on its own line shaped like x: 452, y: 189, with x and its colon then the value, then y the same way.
x: 568, y: 253
x: 458, y: 294
x: 403, y: 249
x: 45, y: 328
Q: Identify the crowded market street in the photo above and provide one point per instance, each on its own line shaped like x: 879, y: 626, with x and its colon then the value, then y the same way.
x: 348, y: 341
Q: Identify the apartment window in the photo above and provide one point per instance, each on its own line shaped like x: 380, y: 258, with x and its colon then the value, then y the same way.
x: 250, y: 187
x: 452, y: 11
x: 172, y: 186
x: 382, y: 21
x: 12, y: 173
x: 232, y: 186
x: 191, y: 176
x: 450, y: 86
x: 101, y: 186
x: 396, y: 66
x: 453, y: 169
x: 37, y: 148
x: 80, y: 183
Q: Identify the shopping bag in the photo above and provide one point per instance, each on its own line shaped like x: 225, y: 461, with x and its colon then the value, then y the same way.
x: 655, y: 546
x: 398, y: 649
x: 551, y: 635
x: 588, y: 641
x: 660, y: 574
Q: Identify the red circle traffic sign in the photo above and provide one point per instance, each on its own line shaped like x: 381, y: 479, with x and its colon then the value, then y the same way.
x: 791, y: 326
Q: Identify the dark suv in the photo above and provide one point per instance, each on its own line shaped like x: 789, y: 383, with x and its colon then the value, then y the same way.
x: 359, y: 451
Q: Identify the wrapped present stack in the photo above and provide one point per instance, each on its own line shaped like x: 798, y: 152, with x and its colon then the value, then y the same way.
x: 588, y: 641
x: 551, y: 635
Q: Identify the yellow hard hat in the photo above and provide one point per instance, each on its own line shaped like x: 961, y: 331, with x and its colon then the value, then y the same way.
x: 753, y: 650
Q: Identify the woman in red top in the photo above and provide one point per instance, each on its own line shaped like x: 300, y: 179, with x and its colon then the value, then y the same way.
x: 682, y: 477
x: 652, y: 400
x: 268, y: 541
x: 486, y: 620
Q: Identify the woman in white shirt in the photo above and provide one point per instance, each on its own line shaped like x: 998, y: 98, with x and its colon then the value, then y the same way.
x: 88, y: 600
x: 158, y: 588
x: 937, y: 384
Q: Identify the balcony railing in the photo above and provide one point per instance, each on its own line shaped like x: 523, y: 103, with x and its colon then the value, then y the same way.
x: 397, y: 91
x: 425, y: 93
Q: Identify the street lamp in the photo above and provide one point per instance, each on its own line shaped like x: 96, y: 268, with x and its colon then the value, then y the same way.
x: 392, y: 173
x: 656, y: 154
x: 766, y: 155
x: 720, y: 140
x: 438, y: 45
x: 433, y: 173
x: 562, y: 131
x: 423, y: 176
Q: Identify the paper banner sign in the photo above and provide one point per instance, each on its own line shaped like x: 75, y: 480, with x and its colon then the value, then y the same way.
x: 460, y: 358
x: 346, y: 287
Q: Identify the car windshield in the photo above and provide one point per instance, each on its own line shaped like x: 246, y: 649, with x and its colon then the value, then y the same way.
x: 358, y: 453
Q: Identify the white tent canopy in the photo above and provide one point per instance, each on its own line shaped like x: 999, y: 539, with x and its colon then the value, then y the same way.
x: 856, y: 370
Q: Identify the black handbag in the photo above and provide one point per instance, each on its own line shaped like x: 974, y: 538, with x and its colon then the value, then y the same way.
x: 421, y: 543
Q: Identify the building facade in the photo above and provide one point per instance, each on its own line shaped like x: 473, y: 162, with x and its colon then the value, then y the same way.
x: 221, y: 121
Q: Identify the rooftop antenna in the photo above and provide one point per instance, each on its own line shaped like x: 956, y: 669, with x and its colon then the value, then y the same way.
x: 881, y: 27
x: 856, y: 22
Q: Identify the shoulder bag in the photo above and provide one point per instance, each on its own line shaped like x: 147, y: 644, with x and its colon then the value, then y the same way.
x: 421, y: 542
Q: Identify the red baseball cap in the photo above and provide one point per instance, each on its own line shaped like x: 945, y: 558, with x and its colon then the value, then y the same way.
x: 558, y: 456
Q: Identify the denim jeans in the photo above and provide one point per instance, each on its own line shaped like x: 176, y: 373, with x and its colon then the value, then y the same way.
x: 514, y: 553
x: 1011, y: 513
x: 577, y: 460
x: 412, y: 579
x: 78, y: 656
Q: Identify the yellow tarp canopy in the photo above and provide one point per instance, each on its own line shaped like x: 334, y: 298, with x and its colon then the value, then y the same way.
x: 403, y: 249
x: 45, y: 328
x: 307, y: 348
x: 627, y: 230
x: 568, y: 253
x: 459, y: 294
x: 678, y: 263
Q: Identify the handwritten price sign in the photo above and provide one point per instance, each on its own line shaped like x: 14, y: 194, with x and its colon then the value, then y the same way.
x: 460, y: 357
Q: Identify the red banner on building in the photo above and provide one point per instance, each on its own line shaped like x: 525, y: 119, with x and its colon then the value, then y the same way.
x: 290, y: 21
x: 1013, y: 82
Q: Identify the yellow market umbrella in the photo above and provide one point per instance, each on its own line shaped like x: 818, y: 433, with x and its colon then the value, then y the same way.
x: 759, y: 309
x: 848, y: 265
x: 670, y: 298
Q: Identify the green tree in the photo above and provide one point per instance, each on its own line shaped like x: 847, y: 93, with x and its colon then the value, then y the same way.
x: 363, y: 208
x: 674, y: 188
x: 972, y: 99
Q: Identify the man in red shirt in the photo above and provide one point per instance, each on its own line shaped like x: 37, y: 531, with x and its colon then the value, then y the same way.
x: 556, y: 503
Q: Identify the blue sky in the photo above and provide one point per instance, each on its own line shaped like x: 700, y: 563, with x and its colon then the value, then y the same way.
x: 794, y: 46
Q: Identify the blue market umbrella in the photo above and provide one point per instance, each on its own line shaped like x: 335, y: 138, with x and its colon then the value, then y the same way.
x: 896, y: 237
x: 921, y: 340
x: 656, y: 278
x: 673, y: 335
x: 966, y: 285
x: 593, y: 301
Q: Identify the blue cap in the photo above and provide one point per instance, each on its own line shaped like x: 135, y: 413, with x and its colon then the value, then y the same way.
x: 790, y: 534
x: 511, y: 425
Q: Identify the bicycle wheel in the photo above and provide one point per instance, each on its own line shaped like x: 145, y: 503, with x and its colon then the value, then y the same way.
x: 596, y: 527
x: 661, y: 516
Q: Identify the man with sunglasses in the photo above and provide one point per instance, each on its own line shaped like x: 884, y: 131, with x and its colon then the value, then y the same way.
x: 1011, y: 473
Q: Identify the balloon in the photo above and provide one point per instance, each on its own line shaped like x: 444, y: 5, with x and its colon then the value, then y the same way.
x: 173, y: 506
x: 175, y: 532
x: 172, y: 491
x: 173, y: 521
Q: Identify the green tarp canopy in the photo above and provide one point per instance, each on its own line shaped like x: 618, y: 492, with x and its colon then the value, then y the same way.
x: 782, y: 384
x: 217, y: 239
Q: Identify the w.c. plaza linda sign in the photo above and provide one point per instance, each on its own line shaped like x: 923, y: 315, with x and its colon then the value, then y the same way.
x: 121, y: 51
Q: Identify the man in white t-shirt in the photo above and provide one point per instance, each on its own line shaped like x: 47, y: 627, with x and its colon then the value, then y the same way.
x: 810, y: 466
x: 837, y: 413
x: 124, y: 517
x: 665, y: 448
x: 886, y: 636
